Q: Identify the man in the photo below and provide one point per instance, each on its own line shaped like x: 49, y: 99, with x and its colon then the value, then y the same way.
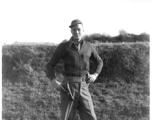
x: 75, y: 54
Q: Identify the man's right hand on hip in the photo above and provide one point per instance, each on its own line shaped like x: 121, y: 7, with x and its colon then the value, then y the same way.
x: 56, y: 84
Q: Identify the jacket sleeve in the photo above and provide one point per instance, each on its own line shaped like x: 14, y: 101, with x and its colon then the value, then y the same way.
x: 57, y: 55
x: 96, y: 58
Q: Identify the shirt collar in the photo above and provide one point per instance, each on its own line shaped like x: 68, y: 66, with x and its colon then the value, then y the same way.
x: 72, y: 41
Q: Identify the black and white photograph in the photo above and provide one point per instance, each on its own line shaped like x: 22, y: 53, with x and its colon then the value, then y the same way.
x: 75, y: 60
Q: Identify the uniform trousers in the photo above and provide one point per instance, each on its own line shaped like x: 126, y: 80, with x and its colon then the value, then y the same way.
x: 75, y: 96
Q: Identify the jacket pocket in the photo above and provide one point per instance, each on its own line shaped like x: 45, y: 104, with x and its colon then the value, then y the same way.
x: 85, y: 62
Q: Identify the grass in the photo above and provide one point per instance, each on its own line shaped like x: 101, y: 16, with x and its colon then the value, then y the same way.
x: 118, y: 94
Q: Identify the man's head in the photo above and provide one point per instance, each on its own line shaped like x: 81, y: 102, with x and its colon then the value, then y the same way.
x: 77, y: 29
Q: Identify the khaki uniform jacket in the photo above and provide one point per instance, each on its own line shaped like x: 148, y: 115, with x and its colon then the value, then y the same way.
x: 76, y: 62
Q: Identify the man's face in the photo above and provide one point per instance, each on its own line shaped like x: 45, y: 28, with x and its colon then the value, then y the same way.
x: 77, y: 31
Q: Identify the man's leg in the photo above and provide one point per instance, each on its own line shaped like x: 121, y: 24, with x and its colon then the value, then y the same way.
x: 68, y: 106
x: 86, y: 109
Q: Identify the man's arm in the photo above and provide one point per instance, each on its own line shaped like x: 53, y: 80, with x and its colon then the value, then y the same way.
x: 57, y: 55
x: 96, y: 58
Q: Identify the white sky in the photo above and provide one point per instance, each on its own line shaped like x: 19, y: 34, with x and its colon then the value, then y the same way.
x: 49, y: 20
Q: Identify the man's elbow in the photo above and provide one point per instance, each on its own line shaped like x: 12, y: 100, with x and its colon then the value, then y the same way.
x: 100, y: 65
x: 48, y: 69
x: 101, y: 62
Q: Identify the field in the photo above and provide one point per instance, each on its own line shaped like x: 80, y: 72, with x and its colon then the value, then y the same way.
x: 121, y: 91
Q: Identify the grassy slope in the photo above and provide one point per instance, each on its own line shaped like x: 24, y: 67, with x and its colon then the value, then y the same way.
x: 114, y: 98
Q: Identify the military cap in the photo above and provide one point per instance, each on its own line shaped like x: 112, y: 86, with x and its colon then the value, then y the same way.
x: 75, y: 22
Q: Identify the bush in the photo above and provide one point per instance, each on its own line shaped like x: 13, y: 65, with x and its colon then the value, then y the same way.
x: 129, y: 62
x: 121, y: 90
x: 122, y: 37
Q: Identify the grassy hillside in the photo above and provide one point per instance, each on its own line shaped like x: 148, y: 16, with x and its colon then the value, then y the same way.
x: 121, y: 91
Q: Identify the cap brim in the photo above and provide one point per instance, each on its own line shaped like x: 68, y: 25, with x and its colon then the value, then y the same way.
x: 74, y: 25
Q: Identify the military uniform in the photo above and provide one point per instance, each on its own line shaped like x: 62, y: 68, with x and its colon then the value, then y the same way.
x: 74, y: 93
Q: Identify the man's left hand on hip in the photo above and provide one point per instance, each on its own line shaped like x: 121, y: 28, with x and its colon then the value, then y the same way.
x: 91, y: 77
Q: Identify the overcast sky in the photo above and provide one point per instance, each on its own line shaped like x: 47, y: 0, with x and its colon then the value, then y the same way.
x: 49, y: 20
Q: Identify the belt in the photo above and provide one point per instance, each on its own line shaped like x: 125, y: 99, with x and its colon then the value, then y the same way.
x: 74, y: 79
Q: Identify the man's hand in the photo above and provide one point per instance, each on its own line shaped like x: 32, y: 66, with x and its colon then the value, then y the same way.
x: 56, y: 84
x: 91, y: 78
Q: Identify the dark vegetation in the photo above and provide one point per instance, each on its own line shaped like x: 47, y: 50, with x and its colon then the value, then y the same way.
x: 122, y: 37
x: 121, y: 91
